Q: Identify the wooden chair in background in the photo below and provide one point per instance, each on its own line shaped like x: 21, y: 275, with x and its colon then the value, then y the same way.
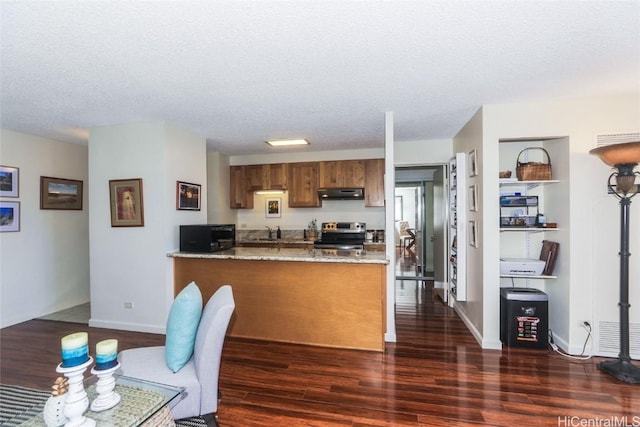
x: 407, y: 235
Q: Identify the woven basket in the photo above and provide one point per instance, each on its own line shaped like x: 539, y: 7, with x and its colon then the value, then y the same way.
x: 533, y: 171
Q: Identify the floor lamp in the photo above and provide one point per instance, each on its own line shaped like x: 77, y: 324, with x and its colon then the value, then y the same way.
x: 623, y: 158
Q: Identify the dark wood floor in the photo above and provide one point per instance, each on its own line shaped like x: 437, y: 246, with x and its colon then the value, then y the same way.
x: 434, y: 375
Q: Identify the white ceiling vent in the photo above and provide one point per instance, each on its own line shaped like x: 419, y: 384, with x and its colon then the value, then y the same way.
x: 616, y: 138
x: 609, y: 339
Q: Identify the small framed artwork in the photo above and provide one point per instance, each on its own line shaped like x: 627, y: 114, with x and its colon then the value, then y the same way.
x: 473, y: 198
x: 187, y: 196
x: 60, y: 193
x: 9, y: 181
x: 9, y: 216
x: 273, y: 207
x: 473, y: 234
x: 473, y: 163
x: 126, y: 202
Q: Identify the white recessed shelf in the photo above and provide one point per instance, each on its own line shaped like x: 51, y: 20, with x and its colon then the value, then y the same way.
x: 507, y: 182
x: 521, y: 276
x: 529, y: 229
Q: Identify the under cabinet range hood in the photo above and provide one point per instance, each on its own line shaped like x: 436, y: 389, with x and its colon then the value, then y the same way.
x: 341, y: 193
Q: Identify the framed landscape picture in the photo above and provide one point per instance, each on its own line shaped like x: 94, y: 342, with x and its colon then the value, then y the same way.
x: 126, y: 202
x: 9, y: 216
x: 187, y: 196
x: 60, y: 193
x: 9, y: 181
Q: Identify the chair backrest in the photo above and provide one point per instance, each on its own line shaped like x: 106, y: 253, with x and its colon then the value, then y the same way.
x: 403, y: 228
x: 208, y: 347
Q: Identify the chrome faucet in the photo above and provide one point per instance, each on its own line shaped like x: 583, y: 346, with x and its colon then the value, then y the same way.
x: 270, y: 232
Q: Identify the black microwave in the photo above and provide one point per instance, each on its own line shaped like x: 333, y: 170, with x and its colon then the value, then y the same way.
x: 207, y: 237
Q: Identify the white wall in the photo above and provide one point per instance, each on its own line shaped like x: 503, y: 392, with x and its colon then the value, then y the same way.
x: 46, y: 263
x: 472, y: 310
x: 588, y: 288
x: 389, y: 182
x: 413, y: 153
x: 131, y: 263
x: 304, y: 155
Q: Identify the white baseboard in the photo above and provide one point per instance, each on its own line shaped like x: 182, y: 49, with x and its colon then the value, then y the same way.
x: 484, y: 343
x: 134, y: 327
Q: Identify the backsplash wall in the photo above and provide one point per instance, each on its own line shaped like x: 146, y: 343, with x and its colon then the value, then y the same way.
x: 299, y: 218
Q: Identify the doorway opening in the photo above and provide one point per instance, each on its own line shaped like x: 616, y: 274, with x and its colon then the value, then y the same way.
x: 419, y: 222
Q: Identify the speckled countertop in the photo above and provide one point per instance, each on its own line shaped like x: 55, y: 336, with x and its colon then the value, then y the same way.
x: 277, y: 241
x: 291, y: 254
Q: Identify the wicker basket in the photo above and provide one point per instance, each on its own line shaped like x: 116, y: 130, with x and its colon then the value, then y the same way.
x: 533, y: 171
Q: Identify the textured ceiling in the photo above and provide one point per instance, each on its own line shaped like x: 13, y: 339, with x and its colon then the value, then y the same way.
x: 238, y: 73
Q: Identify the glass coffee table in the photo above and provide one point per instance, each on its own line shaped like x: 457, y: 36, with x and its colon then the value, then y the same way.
x: 142, y: 403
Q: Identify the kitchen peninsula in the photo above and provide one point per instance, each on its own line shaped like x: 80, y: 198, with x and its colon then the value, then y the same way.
x: 306, y: 296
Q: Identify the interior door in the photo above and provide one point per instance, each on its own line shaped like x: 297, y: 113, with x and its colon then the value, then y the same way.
x: 440, y: 244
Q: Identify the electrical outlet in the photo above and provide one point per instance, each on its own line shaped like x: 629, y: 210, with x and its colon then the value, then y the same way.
x: 128, y: 304
x: 584, y: 324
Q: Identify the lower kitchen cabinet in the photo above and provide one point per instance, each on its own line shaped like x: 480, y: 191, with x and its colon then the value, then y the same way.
x: 317, y: 303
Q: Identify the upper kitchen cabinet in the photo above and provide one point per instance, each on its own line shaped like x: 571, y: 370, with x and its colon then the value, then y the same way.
x: 277, y: 175
x: 303, y: 179
x: 256, y: 177
x: 342, y: 174
x: 374, y: 182
x: 239, y: 195
x: 303, y: 185
x: 266, y: 177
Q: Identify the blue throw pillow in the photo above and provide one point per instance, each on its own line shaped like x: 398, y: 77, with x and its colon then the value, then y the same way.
x: 182, y: 326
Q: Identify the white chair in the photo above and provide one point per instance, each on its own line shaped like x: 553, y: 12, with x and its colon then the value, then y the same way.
x: 199, y: 376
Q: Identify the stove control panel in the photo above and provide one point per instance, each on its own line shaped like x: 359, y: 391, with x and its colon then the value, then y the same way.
x: 344, y: 227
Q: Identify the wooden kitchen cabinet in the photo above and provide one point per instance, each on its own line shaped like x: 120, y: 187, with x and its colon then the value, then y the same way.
x: 342, y: 174
x: 266, y: 177
x: 256, y: 177
x: 297, y: 302
x: 277, y: 176
x: 374, y: 182
x: 303, y: 179
x: 239, y: 195
x: 303, y: 185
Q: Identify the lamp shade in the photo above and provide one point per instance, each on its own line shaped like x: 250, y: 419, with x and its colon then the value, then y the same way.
x: 618, y: 154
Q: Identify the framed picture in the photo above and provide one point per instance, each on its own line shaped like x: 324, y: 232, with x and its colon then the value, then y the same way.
x: 9, y: 181
x: 273, y: 207
x: 473, y: 198
x: 187, y: 196
x: 126, y: 202
x: 9, y: 216
x: 473, y: 234
x: 60, y: 193
x: 473, y: 163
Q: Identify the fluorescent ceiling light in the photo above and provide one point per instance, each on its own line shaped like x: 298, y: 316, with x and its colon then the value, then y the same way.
x: 283, y: 142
